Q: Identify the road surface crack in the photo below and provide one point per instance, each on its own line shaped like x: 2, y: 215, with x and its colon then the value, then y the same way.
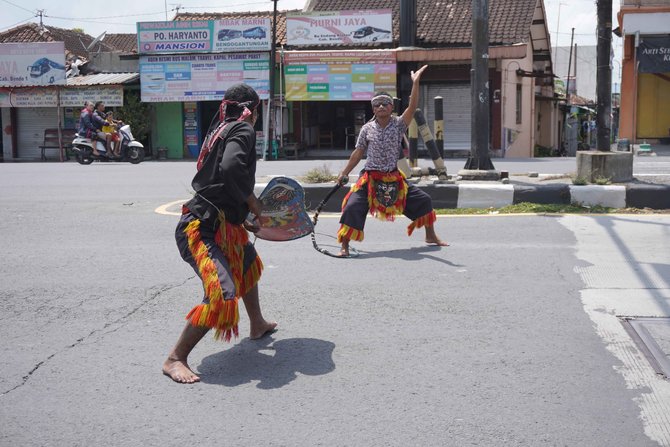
x: 152, y: 296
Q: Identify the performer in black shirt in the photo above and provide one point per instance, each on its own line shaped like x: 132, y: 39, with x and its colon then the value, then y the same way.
x: 212, y: 232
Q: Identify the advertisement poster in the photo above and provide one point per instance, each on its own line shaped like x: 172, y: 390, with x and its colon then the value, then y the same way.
x: 70, y: 97
x: 202, y: 77
x: 339, y: 27
x: 30, y: 64
x: 339, y: 76
x: 191, y: 131
x: 654, y: 55
x: 204, y: 36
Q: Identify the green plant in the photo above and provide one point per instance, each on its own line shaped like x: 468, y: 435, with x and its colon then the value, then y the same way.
x: 319, y: 175
x: 135, y: 113
x: 600, y: 180
x: 542, y: 151
x: 580, y: 181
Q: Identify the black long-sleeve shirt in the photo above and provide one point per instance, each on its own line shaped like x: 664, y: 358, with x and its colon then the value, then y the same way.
x: 227, y: 176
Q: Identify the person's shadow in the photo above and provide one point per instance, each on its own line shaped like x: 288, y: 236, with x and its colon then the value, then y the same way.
x: 272, y: 364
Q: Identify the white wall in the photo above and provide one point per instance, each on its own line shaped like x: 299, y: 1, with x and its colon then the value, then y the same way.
x: 518, y: 139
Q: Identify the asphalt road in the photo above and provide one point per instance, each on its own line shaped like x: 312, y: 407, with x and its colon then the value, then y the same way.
x: 509, y: 337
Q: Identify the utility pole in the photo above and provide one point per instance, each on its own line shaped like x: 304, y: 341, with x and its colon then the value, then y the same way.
x: 604, y: 76
x: 567, y: 82
x: 273, y: 56
x: 479, y: 160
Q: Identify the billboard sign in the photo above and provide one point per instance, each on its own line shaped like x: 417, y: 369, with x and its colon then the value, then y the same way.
x: 31, y: 64
x: 69, y: 97
x: 339, y: 27
x: 339, y: 75
x: 204, y: 36
x: 202, y: 77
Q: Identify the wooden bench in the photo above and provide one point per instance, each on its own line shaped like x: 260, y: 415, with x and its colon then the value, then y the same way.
x: 51, y: 142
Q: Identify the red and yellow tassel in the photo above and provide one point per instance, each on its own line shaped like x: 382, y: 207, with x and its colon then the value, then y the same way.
x: 219, y: 313
x: 351, y: 234
x: 427, y: 220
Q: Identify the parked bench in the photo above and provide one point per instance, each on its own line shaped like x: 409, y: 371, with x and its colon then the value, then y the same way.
x: 51, y: 142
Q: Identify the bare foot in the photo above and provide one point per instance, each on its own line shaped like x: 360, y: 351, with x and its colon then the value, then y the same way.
x: 432, y: 239
x: 437, y: 241
x: 179, y: 371
x: 344, y: 253
x: 266, y: 328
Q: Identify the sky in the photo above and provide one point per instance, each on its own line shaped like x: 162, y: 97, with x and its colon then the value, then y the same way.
x: 120, y: 16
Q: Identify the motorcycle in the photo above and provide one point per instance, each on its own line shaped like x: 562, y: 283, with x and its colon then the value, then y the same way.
x: 131, y: 150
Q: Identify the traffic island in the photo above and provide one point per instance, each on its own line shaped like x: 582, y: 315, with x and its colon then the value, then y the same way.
x: 615, y: 167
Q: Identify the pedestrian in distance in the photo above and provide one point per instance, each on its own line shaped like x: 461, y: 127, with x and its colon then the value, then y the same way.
x: 381, y: 188
x: 212, y: 232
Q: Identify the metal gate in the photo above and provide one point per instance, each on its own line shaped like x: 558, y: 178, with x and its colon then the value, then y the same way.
x: 457, y: 106
x: 31, y: 122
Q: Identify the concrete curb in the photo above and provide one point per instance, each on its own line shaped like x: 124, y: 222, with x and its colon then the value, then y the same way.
x: 497, y: 195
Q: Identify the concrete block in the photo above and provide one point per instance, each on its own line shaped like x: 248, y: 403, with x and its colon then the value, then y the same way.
x: 615, y: 166
x: 613, y: 196
x: 547, y: 194
x: 485, y: 196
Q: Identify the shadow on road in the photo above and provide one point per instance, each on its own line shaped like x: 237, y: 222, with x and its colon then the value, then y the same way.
x: 411, y: 254
x: 272, y: 364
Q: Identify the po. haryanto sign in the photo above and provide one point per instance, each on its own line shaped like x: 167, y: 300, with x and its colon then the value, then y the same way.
x: 339, y: 27
x: 204, y: 36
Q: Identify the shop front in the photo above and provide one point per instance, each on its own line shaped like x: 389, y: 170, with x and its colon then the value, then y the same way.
x: 330, y: 93
x: 30, y: 111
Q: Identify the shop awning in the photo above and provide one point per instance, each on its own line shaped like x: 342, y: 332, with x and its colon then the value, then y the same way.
x: 102, y: 79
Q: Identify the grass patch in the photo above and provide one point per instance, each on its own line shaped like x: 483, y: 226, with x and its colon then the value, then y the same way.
x: 600, y: 180
x: 319, y: 175
x: 531, y: 208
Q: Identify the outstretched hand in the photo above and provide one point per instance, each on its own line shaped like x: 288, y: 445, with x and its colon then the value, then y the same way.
x: 416, y: 75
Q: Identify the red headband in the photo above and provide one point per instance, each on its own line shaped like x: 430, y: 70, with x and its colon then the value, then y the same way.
x: 245, y: 113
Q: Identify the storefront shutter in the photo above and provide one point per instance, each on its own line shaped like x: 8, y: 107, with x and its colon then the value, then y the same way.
x: 31, y: 122
x: 457, y: 109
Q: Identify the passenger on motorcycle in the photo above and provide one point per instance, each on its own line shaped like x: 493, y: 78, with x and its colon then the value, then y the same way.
x: 86, y: 128
x: 112, y: 126
x: 99, y: 121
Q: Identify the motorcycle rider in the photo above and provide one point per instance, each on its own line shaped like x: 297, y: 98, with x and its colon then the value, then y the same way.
x: 99, y: 121
x: 86, y: 127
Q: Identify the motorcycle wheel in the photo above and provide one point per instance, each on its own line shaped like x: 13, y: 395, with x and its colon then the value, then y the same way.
x: 84, y: 158
x: 135, y: 155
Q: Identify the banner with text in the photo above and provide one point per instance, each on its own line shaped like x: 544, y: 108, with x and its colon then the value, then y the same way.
x: 339, y: 27
x: 30, y: 64
x: 204, y: 36
x: 654, y: 55
x: 339, y: 75
x: 202, y: 77
x: 69, y: 97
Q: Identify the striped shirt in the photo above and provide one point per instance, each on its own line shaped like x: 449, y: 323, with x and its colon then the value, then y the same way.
x: 382, y: 145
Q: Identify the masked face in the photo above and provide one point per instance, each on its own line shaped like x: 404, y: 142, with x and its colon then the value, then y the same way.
x: 387, y: 192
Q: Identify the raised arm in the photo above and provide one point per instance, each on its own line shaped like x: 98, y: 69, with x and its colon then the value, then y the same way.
x: 408, y: 114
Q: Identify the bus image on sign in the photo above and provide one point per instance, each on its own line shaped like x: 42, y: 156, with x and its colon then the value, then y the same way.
x: 256, y: 32
x: 229, y: 34
x: 371, y: 34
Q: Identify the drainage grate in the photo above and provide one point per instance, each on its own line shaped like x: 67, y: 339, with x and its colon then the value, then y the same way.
x: 652, y: 336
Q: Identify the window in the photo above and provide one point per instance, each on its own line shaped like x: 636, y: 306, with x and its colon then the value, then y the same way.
x: 519, y: 97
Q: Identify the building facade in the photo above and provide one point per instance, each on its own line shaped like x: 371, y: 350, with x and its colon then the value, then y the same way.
x: 645, y: 78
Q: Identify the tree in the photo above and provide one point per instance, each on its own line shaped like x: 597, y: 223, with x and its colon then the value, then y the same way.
x: 135, y: 113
